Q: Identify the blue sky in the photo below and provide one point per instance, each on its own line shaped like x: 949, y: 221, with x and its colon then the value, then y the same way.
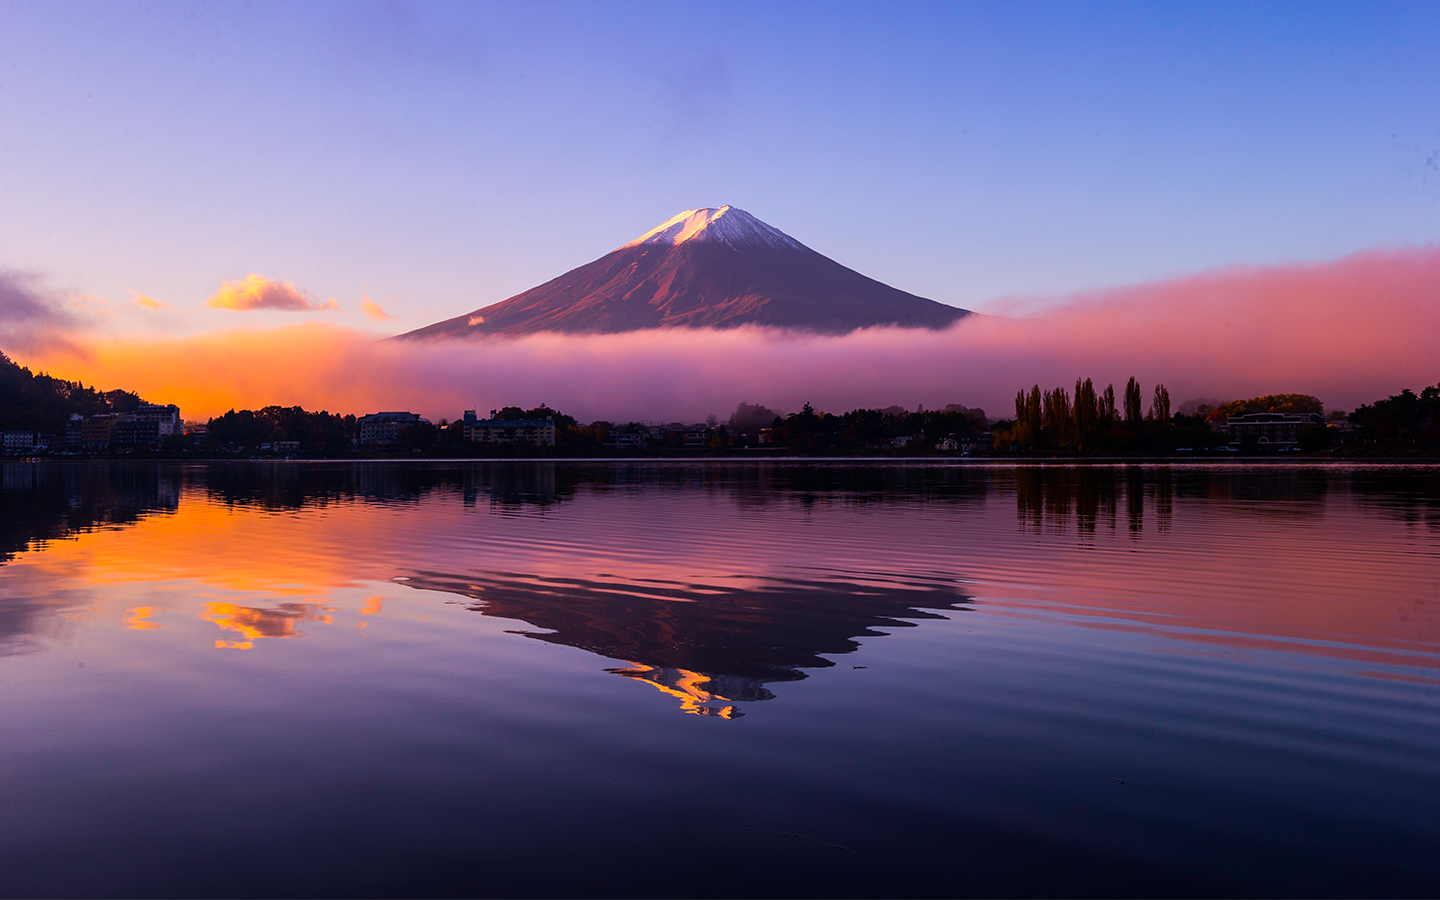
x: 442, y: 157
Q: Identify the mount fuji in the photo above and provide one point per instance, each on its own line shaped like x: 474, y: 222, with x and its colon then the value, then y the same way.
x: 704, y: 268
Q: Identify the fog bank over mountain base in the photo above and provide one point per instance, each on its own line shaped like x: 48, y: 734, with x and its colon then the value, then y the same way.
x: 1348, y: 331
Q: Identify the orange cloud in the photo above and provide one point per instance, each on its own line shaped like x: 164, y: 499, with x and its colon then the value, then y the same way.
x: 374, y: 310
x: 1348, y: 331
x: 258, y: 292
x: 145, y: 302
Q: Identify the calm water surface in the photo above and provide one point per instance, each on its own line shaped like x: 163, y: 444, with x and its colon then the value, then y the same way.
x: 719, y: 679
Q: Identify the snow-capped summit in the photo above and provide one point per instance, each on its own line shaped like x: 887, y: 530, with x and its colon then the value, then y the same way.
x: 705, y: 268
x: 727, y: 225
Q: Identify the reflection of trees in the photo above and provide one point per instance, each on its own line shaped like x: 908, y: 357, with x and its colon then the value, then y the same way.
x: 1091, y: 495
x: 40, y: 503
x: 512, y: 485
x: 45, y: 502
x: 708, y: 645
x: 284, y: 485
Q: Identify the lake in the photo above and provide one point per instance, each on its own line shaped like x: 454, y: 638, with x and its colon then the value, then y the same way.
x: 719, y: 679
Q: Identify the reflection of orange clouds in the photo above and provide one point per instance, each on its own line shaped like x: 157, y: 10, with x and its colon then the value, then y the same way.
x: 685, y: 686
x: 372, y: 606
x: 233, y: 645
x: 139, y: 619
x: 254, y: 623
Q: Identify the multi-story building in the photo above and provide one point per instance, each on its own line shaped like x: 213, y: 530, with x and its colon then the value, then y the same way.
x: 131, y: 432
x: 1269, y: 429
x: 382, y: 429
x: 73, y: 428
x: 18, y: 441
x: 539, y: 432
x: 99, y: 431
x: 166, y: 418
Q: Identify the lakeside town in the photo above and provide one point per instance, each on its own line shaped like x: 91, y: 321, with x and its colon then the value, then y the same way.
x: 1057, y: 422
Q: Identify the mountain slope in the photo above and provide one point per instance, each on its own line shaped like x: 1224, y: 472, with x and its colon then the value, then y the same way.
x: 705, y: 268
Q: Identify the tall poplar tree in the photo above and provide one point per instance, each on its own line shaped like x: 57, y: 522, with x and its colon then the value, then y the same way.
x: 1132, y: 402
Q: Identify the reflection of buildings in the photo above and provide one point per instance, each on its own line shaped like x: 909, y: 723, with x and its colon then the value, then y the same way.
x: 709, y: 646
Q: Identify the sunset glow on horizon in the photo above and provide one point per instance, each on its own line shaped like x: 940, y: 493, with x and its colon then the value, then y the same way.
x: 1348, y: 331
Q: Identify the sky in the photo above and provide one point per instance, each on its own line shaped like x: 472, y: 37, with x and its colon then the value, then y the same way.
x: 379, y: 167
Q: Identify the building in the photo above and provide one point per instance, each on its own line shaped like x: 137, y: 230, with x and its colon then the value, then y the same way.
x: 1269, y: 429
x: 131, y: 432
x: 98, y: 431
x: 538, y: 432
x: 625, y: 440
x: 73, y: 427
x: 382, y: 429
x: 166, y: 418
x: 19, y: 441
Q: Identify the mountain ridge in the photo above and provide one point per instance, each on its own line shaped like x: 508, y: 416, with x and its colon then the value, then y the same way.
x: 712, y: 267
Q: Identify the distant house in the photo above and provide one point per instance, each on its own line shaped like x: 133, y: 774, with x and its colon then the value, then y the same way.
x: 382, y: 429
x: 948, y: 445
x: 537, y: 432
x: 624, y: 439
x: 1269, y: 429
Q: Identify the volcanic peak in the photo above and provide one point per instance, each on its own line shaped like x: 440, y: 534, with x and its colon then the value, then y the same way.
x: 727, y: 225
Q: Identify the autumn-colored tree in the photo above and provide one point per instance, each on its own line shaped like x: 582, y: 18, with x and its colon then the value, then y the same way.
x: 1271, y: 403
x: 1056, y: 420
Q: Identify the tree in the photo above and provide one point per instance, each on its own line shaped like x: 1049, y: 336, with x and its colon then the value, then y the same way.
x: 1086, y: 415
x: 1160, y: 405
x: 1107, y: 405
x: 1132, y: 402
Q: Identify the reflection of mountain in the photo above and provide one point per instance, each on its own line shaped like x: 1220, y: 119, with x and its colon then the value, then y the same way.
x: 44, y: 502
x: 708, y: 645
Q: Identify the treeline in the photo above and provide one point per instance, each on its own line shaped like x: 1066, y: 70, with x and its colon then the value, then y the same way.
x: 30, y: 402
x: 1089, y: 421
x: 1290, y: 404
x: 316, y: 432
x: 811, y: 432
x: 324, y: 433
x: 1403, y: 420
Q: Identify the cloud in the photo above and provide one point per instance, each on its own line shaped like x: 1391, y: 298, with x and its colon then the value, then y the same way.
x: 374, y: 310
x: 32, y: 318
x: 1348, y: 331
x: 258, y: 292
x: 145, y: 302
